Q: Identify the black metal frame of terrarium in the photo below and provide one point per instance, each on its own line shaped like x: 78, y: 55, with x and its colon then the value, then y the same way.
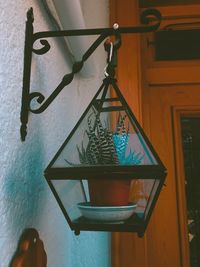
x: 130, y: 156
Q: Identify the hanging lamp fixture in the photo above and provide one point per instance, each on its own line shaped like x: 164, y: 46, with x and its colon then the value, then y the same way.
x: 106, y: 176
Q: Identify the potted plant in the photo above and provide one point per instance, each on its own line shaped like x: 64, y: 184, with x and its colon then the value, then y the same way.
x: 108, y: 147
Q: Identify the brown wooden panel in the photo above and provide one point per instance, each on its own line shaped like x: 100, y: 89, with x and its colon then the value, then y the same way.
x: 128, y: 71
x: 128, y: 249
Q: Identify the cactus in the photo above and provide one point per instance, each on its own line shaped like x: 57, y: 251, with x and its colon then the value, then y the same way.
x: 108, y: 147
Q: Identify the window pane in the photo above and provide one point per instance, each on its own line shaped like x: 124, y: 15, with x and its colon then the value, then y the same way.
x: 191, y: 149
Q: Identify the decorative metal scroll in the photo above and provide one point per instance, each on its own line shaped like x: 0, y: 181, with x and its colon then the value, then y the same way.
x: 150, y: 19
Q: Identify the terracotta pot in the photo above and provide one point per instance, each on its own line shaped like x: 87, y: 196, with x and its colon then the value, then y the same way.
x: 105, y: 192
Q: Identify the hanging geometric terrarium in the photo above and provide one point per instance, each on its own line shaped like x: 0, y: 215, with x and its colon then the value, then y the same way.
x: 107, y: 176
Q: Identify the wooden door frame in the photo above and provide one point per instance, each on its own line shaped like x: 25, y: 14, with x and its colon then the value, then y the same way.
x: 129, y: 81
x: 177, y: 113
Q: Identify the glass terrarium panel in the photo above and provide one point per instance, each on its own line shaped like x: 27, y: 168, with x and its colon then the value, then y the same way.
x: 70, y: 192
x: 155, y: 184
x: 142, y: 194
x: 74, y: 199
x: 105, y: 136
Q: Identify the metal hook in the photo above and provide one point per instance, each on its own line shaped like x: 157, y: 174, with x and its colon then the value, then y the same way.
x: 110, y: 52
x: 117, y: 42
x: 109, y: 48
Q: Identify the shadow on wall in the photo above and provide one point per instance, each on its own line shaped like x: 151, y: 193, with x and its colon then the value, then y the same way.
x: 24, y: 186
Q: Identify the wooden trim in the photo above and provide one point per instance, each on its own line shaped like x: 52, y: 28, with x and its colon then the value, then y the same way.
x: 172, y: 71
x: 180, y: 10
x: 173, y: 75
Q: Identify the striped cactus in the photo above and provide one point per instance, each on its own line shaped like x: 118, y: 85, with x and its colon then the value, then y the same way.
x: 107, y: 147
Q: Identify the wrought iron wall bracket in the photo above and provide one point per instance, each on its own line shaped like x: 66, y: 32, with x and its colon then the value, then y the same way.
x: 150, y: 20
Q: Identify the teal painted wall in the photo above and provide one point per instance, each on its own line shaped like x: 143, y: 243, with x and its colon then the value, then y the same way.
x: 25, y: 199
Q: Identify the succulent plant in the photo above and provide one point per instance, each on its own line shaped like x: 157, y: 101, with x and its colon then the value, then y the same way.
x: 106, y: 146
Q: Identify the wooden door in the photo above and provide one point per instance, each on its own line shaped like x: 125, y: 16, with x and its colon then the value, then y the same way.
x: 166, y: 240
x: 171, y: 89
x: 167, y: 235
x: 157, y: 92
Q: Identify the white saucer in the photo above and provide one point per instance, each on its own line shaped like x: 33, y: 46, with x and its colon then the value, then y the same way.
x: 106, y: 213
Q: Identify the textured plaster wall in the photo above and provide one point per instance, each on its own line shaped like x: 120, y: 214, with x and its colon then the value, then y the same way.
x: 25, y: 199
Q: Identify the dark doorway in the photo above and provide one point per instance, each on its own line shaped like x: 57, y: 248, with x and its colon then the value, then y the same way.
x: 190, y: 128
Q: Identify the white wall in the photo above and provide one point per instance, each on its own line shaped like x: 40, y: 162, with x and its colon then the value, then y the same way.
x: 25, y: 199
